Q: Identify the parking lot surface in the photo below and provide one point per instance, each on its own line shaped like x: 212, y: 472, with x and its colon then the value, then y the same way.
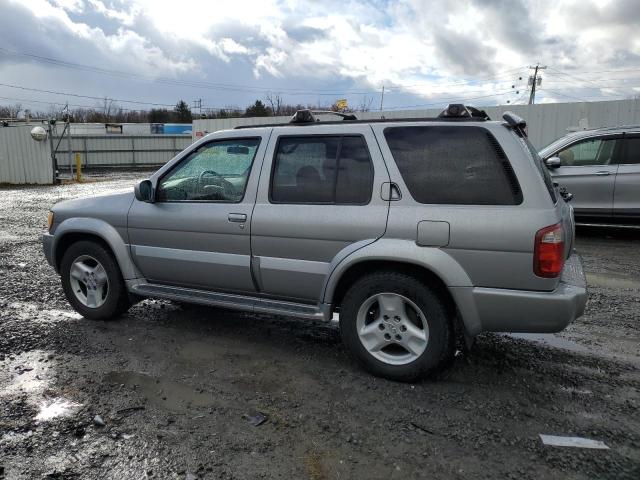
x: 178, y: 390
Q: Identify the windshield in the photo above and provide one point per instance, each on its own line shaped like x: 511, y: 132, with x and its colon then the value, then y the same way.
x: 551, y: 147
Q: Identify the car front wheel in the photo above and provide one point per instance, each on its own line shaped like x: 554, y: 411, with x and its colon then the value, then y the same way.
x: 92, y: 281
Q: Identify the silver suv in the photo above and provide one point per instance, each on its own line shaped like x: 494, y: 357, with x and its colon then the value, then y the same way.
x: 601, y: 169
x: 416, y: 233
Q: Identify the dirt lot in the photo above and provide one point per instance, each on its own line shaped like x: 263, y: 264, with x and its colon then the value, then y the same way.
x: 177, y: 387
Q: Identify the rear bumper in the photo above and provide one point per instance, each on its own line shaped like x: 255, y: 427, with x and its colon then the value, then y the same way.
x: 47, y: 246
x: 502, y: 310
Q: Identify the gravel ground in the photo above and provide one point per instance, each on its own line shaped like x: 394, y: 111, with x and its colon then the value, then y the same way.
x: 178, y: 389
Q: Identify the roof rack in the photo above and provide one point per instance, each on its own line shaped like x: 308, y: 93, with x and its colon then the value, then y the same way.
x: 458, y: 110
x: 306, y: 116
x: 453, y: 113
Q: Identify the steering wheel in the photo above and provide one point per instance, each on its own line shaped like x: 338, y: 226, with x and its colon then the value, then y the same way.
x: 226, y: 186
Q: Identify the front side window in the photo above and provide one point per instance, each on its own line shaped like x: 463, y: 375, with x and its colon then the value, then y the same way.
x: 322, y: 170
x: 216, y: 171
x: 453, y: 165
x: 594, y: 151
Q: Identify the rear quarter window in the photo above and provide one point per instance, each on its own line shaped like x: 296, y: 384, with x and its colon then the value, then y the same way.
x: 458, y: 165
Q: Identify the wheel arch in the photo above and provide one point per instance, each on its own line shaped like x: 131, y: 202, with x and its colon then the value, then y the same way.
x: 73, y: 230
x: 432, y: 265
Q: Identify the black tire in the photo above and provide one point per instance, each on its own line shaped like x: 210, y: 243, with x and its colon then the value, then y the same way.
x: 440, y: 346
x: 117, y: 300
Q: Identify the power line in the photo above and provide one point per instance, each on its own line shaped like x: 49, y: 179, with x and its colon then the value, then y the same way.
x: 578, y: 79
x: 94, y: 107
x: 564, y: 95
x: 233, y: 87
x: 85, y: 96
x: 445, y: 100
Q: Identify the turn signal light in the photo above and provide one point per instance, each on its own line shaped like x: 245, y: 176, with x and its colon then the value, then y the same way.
x: 548, y: 254
x: 49, y: 220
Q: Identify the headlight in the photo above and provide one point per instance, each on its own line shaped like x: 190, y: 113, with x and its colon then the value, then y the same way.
x: 49, y: 220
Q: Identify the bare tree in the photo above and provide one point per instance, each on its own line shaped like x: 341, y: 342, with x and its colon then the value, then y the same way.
x: 275, y: 102
x: 365, y: 105
x: 10, y: 111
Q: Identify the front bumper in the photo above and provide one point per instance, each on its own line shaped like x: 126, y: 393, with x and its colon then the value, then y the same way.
x: 47, y: 246
x: 502, y: 310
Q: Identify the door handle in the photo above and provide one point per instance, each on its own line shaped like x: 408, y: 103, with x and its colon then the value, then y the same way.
x: 237, y: 217
x: 603, y: 173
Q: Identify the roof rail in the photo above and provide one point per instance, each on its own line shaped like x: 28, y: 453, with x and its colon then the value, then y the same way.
x: 458, y: 110
x: 306, y: 118
x: 306, y: 115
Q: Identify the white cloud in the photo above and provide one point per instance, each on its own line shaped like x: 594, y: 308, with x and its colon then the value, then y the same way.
x: 419, y: 50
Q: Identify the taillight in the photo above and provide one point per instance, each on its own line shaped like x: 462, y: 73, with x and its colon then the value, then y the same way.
x: 548, y: 253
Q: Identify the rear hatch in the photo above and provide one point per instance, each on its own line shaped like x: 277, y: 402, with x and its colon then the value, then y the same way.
x: 563, y: 208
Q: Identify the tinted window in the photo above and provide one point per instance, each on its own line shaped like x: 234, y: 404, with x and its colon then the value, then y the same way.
x: 453, y: 165
x: 632, y: 153
x: 594, y: 151
x: 322, y: 169
x: 216, y: 171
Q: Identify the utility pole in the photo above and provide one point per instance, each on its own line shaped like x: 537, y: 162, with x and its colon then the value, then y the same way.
x: 382, y: 98
x: 535, y: 81
x: 198, y: 104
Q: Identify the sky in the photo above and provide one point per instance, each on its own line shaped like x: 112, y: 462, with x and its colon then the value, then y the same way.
x: 231, y: 53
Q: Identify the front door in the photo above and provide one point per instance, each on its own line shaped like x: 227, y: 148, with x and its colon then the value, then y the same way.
x: 588, y: 171
x: 319, y: 197
x: 197, y: 232
x: 626, y: 199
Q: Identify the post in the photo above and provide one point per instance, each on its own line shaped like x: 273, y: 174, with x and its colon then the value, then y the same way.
x: 532, y: 96
x: 68, y: 127
x: 78, y: 168
x: 54, y: 163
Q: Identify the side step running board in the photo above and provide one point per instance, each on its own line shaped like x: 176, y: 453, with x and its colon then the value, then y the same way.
x: 235, y: 302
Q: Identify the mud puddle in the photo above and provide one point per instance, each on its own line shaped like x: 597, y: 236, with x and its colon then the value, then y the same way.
x: 162, y: 393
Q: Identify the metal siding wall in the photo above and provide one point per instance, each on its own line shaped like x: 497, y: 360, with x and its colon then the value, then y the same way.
x: 546, y: 121
x: 22, y: 159
x: 123, y: 150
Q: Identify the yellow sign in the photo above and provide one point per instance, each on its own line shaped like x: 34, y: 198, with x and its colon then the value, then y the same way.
x: 341, y: 104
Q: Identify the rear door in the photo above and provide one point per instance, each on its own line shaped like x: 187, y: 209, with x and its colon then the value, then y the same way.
x: 588, y: 171
x: 319, y: 195
x: 626, y: 198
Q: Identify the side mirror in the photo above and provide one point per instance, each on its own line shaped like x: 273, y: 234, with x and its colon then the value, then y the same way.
x: 144, y: 191
x: 553, y: 162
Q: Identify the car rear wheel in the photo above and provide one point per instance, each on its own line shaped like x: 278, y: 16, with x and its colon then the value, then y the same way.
x: 396, y: 326
x: 92, y: 281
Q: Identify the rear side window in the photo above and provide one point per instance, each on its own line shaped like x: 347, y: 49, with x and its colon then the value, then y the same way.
x: 453, y: 165
x: 322, y: 170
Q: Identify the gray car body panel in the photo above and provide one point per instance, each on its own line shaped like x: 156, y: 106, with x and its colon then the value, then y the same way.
x: 608, y: 192
x: 289, y: 259
x: 104, y: 216
x: 194, y: 244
